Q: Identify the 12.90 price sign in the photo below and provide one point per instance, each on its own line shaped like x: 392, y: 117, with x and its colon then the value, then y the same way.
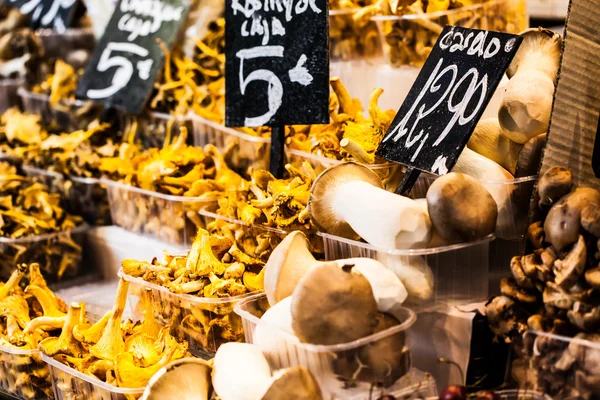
x: 277, y: 62
x: 55, y: 14
x: 126, y: 62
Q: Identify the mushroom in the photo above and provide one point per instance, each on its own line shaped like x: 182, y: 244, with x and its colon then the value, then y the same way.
x: 333, y: 305
x: 535, y: 234
x: 585, y: 317
x: 292, y: 259
x: 568, y: 270
x: 241, y: 372
x: 519, y: 274
x: 555, y: 296
x: 414, y: 273
x: 487, y: 140
x: 554, y: 184
x: 530, y: 156
x: 184, y: 379
x: 563, y: 223
x: 448, y: 202
x: 348, y: 200
x: 527, y: 103
x: 592, y: 277
x: 509, y: 288
x: 504, y: 316
x: 590, y: 219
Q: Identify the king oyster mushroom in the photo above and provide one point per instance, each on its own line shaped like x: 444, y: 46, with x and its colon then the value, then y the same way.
x: 184, y: 379
x: 563, y: 223
x: 241, y: 372
x: 349, y: 200
x: 487, y: 140
x: 527, y: 102
x: 292, y: 260
x: 449, y: 201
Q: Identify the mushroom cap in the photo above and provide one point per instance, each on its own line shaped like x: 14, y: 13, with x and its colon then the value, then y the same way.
x: 323, y: 192
x: 568, y: 270
x: 333, y: 305
x: 563, y: 223
x: 287, y: 264
x: 295, y: 383
x: 554, y: 184
x: 590, y: 219
x: 538, y: 41
x: 530, y: 156
x: 461, y: 209
x: 184, y: 379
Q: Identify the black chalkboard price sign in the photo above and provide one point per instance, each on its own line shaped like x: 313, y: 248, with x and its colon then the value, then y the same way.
x: 277, y: 66
x: 447, y: 100
x: 127, y: 59
x: 56, y: 14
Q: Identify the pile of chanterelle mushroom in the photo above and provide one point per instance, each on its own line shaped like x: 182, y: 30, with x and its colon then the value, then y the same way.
x: 554, y: 289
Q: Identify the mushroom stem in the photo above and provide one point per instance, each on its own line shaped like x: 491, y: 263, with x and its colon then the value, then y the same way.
x: 487, y: 140
x: 357, y: 151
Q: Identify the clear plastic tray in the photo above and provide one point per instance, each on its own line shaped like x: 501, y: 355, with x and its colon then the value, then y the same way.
x: 521, y: 395
x: 8, y: 93
x: 512, y: 196
x: 70, y: 384
x: 460, y: 272
x: 185, y: 313
x: 172, y: 219
x: 83, y: 196
x: 333, y: 366
x: 60, y: 45
x: 390, y: 173
x: 246, y: 151
x: 407, y: 39
x: 39, y: 248
x: 23, y: 374
x: 560, y: 366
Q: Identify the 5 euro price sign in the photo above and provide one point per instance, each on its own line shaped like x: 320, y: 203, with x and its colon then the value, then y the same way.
x: 447, y: 100
x: 126, y: 62
x: 277, y: 66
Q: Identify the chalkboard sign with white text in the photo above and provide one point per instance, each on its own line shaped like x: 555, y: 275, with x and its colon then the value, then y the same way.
x: 127, y: 59
x: 448, y: 98
x: 55, y: 14
x: 277, y: 62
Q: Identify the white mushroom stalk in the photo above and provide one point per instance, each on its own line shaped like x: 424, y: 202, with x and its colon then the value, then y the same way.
x: 241, y: 372
x: 348, y: 200
x: 527, y: 103
x: 414, y: 273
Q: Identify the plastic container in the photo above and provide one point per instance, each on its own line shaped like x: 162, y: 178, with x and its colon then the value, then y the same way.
x: 513, y: 198
x: 562, y: 367
x: 248, y: 151
x: 23, y: 374
x: 335, y: 367
x: 8, y: 93
x: 186, y: 313
x: 60, y: 45
x: 49, y: 250
x: 172, y: 219
x: 456, y: 274
x: 70, y: 384
x: 390, y: 173
x: 83, y: 196
x: 407, y: 39
x: 522, y: 395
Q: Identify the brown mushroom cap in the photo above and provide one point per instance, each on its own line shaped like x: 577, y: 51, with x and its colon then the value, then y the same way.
x: 530, y: 156
x: 554, y: 184
x: 592, y: 277
x: 323, y: 192
x: 590, y: 219
x: 461, y: 209
x: 568, y: 271
x: 333, y: 305
x: 294, y: 383
x: 563, y: 223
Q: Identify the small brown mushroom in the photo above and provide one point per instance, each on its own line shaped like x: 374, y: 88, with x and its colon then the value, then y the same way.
x: 555, y: 296
x: 590, y: 219
x: 519, y: 274
x: 563, y: 223
x: 536, y: 322
x: 592, y: 277
x: 585, y: 317
x: 504, y: 317
x: 333, y: 305
x: 509, y: 288
x: 554, y: 184
x: 448, y: 202
x: 568, y: 271
x: 535, y: 234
